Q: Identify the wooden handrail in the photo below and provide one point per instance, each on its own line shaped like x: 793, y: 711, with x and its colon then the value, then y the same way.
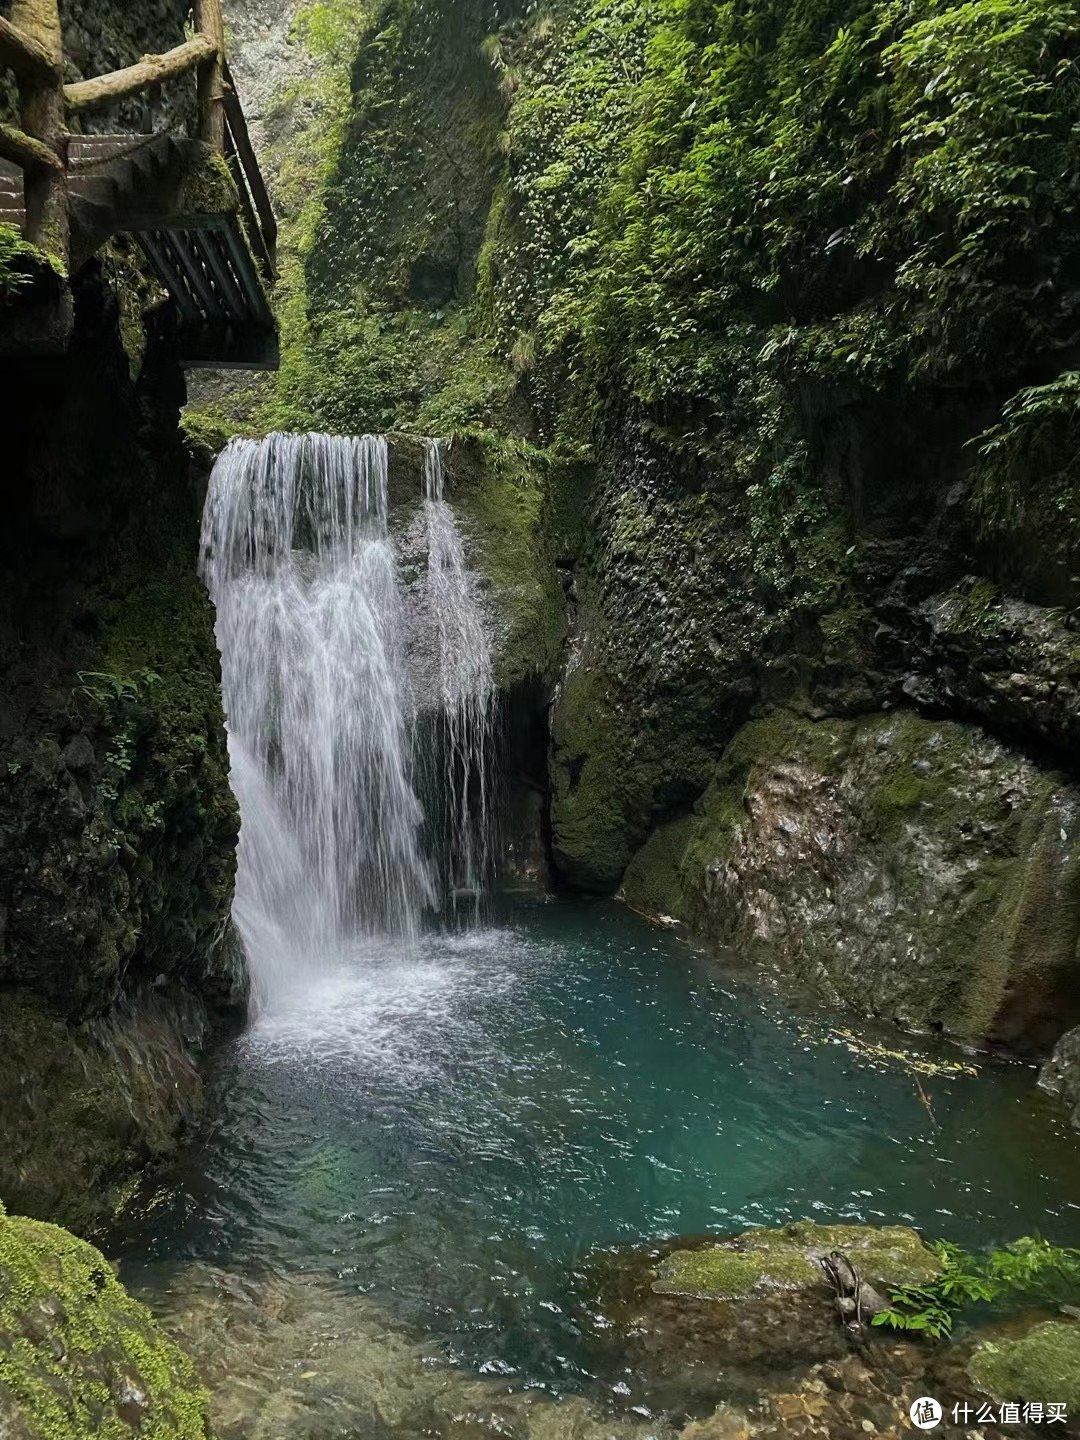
x: 234, y: 114
x: 151, y: 70
x: 25, y: 55
x: 23, y: 150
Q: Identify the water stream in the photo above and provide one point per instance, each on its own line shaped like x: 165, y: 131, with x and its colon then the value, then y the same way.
x: 428, y: 1127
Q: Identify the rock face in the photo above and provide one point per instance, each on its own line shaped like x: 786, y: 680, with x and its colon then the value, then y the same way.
x: 1061, y: 1073
x: 912, y: 869
x: 117, y: 826
x: 78, y: 1356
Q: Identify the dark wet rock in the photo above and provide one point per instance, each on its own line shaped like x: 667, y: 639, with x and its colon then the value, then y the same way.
x: 1060, y: 1075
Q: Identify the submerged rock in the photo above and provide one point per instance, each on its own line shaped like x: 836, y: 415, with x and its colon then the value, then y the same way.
x: 1042, y: 1365
x: 79, y: 1356
x: 705, y: 1322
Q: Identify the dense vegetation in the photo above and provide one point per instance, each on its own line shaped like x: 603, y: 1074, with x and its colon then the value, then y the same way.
x: 728, y: 215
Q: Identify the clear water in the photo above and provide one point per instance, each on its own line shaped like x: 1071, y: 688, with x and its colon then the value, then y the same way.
x: 447, y: 1130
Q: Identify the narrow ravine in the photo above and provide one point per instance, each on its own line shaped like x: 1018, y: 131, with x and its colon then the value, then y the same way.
x: 448, y: 1104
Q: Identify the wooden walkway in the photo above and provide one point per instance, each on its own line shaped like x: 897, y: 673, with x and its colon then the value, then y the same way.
x: 197, y: 204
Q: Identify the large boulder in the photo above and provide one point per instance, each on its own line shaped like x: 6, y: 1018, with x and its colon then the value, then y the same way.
x: 700, y: 1322
x: 913, y: 869
x: 78, y: 1356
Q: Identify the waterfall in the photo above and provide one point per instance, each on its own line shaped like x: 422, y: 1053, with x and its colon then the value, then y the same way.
x: 313, y: 628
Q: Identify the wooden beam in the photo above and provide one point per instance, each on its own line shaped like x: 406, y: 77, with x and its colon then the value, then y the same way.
x: 210, y: 25
x: 151, y: 70
x: 25, y: 55
x: 21, y: 149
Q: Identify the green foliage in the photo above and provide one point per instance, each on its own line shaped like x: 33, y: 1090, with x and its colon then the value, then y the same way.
x: 1031, y: 458
x: 1029, y: 1269
x: 20, y: 262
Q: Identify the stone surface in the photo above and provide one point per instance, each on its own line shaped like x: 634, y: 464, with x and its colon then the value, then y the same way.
x: 911, y: 869
x: 79, y: 1356
x: 788, y: 1259
x: 1042, y: 1365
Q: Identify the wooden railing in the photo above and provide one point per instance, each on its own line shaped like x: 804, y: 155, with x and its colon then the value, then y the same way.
x: 31, y: 45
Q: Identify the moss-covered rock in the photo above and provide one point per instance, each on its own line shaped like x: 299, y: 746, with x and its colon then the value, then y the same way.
x: 787, y: 1259
x: 1042, y: 1365
x: 911, y: 869
x: 78, y: 1356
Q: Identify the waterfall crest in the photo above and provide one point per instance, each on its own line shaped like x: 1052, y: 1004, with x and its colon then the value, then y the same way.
x: 346, y: 831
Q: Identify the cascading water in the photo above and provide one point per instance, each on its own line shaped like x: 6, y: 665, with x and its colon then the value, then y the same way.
x: 460, y: 759
x: 312, y: 628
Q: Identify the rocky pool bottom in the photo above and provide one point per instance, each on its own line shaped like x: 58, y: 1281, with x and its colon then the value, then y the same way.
x: 439, y: 1186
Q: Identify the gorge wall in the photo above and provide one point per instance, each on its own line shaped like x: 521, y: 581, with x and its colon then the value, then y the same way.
x: 117, y: 825
x: 758, y: 328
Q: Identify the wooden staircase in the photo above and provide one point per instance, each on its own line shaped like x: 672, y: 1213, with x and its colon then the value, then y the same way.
x: 207, y: 229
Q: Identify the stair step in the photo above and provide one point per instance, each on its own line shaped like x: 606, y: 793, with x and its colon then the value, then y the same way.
x: 100, y: 189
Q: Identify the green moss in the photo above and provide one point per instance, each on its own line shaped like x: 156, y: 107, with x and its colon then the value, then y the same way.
x: 787, y: 1259
x: 1043, y: 1365
x: 21, y: 263
x: 653, y: 880
x: 78, y: 1356
x: 209, y: 188
x: 501, y: 496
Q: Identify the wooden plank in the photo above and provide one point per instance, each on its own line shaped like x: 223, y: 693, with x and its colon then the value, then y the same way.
x: 151, y: 70
x: 24, y: 151
x: 234, y: 113
x: 26, y: 55
x: 210, y: 25
x: 169, y: 276
x: 231, y: 294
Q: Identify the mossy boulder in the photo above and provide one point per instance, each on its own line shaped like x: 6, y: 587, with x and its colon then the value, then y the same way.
x: 78, y: 1356
x: 1043, y: 1365
x: 912, y: 869
x: 788, y: 1259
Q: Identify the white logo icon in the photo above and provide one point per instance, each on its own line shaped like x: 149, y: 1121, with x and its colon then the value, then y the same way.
x: 925, y: 1413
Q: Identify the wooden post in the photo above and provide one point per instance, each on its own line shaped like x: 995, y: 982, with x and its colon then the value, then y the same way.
x: 208, y: 22
x: 41, y: 107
